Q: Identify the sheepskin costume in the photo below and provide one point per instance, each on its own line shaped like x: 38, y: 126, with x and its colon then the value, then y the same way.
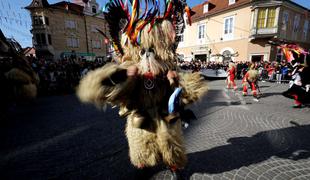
x: 250, y: 78
x: 19, y: 78
x: 142, y: 85
x: 24, y: 85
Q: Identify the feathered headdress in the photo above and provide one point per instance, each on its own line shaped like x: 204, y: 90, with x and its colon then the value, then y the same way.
x: 130, y: 22
x: 289, y: 49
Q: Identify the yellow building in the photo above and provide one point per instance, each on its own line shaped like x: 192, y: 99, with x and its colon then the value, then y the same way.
x: 240, y: 30
x: 64, y: 29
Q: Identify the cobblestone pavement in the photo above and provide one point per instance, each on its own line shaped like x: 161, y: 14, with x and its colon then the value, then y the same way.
x: 233, y: 137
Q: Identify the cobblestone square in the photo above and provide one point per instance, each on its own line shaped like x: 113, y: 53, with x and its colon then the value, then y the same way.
x: 233, y: 137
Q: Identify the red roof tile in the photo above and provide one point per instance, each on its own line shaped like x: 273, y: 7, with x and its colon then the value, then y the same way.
x: 216, y: 7
x: 64, y: 5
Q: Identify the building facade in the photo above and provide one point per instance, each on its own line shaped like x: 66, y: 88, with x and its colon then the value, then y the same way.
x: 67, y: 29
x: 239, y: 30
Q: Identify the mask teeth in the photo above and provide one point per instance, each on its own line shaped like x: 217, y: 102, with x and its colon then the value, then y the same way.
x: 148, y: 65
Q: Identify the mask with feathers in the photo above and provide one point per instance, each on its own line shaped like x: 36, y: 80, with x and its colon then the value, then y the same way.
x: 133, y: 31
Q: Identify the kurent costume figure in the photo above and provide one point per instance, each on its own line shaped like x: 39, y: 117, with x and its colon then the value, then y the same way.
x: 300, y: 84
x: 145, y: 85
x: 16, y: 75
x: 250, y: 78
x: 231, y: 76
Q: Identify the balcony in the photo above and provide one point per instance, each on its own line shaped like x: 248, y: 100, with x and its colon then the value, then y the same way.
x: 45, y: 48
x: 265, y: 20
x: 264, y: 32
x: 39, y: 26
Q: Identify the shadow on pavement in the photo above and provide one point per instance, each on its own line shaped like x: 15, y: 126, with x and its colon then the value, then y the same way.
x: 264, y: 86
x: 288, y: 143
x: 60, y: 139
x: 271, y: 94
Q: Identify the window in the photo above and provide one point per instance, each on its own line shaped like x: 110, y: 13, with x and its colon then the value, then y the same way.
x: 261, y: 17
x: 271, y: 17
x: 296, y: 23
x: 231, y: 2
x: 96, y: 44
x: 228, y: 27
x: 37, y: 20
x: 205, y: 8
x: 40, y: 39
x: 266, y: 17
x: 285, y: 20
x: 306, y: 29
x: 201, y: 31
x: 37, y: 39
x: 72, y: 42
x: 47, y: 21
x: 49, y: 37
x: 296, y: 26
x: 70, y: 24
x: 94, y: 9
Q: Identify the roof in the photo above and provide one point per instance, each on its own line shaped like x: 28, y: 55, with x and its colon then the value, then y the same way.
x: 296, y: 4
x: 38, y: 4
x: 14, y: 44
x: 64, y: 5
x: 29, y: 50
x: 215, y: 6
x: 80, y: 2
x: 218, y: 6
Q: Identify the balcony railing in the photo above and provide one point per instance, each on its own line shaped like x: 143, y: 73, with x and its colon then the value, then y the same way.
x: 39, y: 26
x: 264, y: 31
x: 44, y: 47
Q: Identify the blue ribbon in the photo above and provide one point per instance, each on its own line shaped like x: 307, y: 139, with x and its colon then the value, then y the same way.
x: 174, y: 100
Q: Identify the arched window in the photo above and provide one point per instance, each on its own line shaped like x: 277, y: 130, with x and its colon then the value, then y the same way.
x: 226, y: 56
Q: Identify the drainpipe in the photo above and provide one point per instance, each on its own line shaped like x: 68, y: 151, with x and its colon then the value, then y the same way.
x: 87, y: 47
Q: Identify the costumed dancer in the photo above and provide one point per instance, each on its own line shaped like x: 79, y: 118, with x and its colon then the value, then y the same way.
x: 250, y: 78
x: 145, y: 85
x: 300, y: 83
x: 16, y: 75
x: 231, y: 76
x: 305, y: 79
x: 21, y: 79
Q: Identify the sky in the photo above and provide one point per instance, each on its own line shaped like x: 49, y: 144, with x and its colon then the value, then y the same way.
x: 15, y: 20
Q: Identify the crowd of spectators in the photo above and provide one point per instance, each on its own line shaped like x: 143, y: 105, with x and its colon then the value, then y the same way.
x: 278, y: 72
x: 197, y: 65
x: 61, y: 76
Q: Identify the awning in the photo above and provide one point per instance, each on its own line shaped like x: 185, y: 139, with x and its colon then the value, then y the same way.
x: 84, y: 54
x: 42, y: 53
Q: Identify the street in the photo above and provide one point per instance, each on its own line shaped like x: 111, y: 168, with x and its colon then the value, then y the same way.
x: 233, y: 137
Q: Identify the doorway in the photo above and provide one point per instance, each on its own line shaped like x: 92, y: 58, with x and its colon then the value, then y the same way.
x: 201, y: 57
x: 257, y: 58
